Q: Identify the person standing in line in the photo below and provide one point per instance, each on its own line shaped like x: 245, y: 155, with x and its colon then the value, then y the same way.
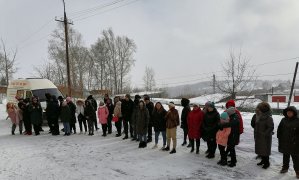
x: 127, y: 107
x: 103, y: 114
x: 288, y: 139
x: 80, y: 115
x: 73, y: 120
x: 159, y: 123
x: 22, y: 114
x: 210, y: 128
x: 117, y: 114
x: 222, y: 138
x: 194, y: 121
x: 12, y: 112
x: 234, y: 136
x: 65, y: 116
x: 52, y: 113
x: 263, y: 132
x: 106, y: 98
x: 134, y: 116
x: 150, y: 108
x: 110, y: 107
x: 26, y: 117
x: 95, y: 107
x: 89, y: 114
x: 36, y: 115
x: 48, y: 99
x: 142, y: 121
x: 184, y: 125
x: 172, y: 121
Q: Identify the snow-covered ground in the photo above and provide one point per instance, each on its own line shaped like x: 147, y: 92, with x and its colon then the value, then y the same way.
x: 85, y: 157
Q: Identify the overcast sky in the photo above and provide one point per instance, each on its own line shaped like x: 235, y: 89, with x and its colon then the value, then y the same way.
x: 184, y: 41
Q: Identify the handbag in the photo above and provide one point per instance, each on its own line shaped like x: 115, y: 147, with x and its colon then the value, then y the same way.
x: 115, y: 119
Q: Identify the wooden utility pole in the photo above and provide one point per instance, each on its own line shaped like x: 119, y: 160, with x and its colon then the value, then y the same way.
x: 293, y: 84
x: 65, y: 22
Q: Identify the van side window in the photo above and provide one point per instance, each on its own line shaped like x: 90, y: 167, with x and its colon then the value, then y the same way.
x: 20, y: 94
x: 28, y: 94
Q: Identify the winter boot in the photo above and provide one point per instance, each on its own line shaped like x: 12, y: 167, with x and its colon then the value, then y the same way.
x: 284, y: 169
x: 207, y: 151
x: 172, y: 151
x: 140, y: 145
x: 192, y: 146
x: 13, y: 128
x: 189, y: 145
x: 126, y: 137
x: 149, y: 140
x: 197, y: 147
x: 266, y: 162
x: 144, y: 144
x: 166, y: 149
x: 222, y: 162
x: 184, y: 143
x: 210, y: 156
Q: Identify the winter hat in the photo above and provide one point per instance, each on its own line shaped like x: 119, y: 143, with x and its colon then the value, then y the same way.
x: 137, y: 96
x: 171, y: 104
x: 60, y: 98
x: 231, y: 111
x: 230, y: 103
x: 128, y: 96
x: 185, y: 102
x: 210, y: 104
x: 224, y: 116
x: 146, y: 97
x: 291, y: 108
x: 263, y: 107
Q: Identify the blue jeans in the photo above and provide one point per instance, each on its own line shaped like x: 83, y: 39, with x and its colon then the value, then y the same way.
x: 67, y: 128
x: 142, y: 137
x: 157, y: 133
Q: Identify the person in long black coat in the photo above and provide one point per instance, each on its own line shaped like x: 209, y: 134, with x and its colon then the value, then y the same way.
x: 36, y: 115
x: 210, y: 128
x: 150, y: 107
x: 263, y: 131
x: 184, y: 125
x: 288, y: 139
x: 95, y: 107
x: 110, y: 107
x: 159, y: 123
x: 52, y: 114
x: 89, y: 114
x: 134, y: 116
x: 73, y: 120
x: 127, y: 107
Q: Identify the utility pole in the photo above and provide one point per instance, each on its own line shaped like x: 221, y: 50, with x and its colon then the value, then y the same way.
x: 214, y: 84
x: 65, y: 22
x: 293, y: 84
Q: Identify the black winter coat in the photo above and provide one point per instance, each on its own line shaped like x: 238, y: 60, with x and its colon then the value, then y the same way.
x: 36, y: 113
x: 263, y: 133
x: 110, y: 109
x: 210, y: 125
x: 150, y: 107
x: 127, y: 109
x: 288, y: 133
x: 52, y: 110
x: 72, y: 107
x: 158, y: 119
x: 90, y: 113
x: 185, y: 103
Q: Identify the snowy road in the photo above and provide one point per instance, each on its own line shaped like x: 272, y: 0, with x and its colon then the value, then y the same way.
x: 84, y: 157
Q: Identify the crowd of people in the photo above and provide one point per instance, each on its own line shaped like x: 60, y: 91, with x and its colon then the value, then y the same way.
x: 139, y: 117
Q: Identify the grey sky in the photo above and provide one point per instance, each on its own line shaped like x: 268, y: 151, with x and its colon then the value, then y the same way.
x: 182, y: 40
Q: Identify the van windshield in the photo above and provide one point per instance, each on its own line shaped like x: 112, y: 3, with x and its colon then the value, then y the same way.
x: 40, y: 93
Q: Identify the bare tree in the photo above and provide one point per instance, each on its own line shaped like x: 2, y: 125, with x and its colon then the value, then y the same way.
x: 7, y: 62
x: 238, y: 74
x: 149, y: 79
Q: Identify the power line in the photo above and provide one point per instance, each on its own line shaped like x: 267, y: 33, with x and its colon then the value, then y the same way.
x: 94, y: 9
x: 126, y: 4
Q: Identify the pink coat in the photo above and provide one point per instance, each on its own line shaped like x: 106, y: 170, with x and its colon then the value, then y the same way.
x: 103, y: 113
x: 222, y: 136
x: 12, y: 112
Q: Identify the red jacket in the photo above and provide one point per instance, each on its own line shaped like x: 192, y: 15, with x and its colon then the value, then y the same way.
x: 195, y: 119
x: 231, y: 103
